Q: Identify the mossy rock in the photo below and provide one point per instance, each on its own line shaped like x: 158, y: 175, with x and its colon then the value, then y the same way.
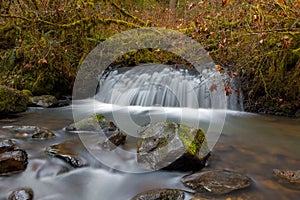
x: 172, y: 146
x: 12, y: 100
x: 92, y: 123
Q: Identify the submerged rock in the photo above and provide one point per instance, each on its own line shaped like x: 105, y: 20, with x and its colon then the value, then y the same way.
x: 21, y: 194
x: 161, y: 194
x: 65, y: 151
x: 216, y: 181
x: 44, y: 101
x: 12, y: 160
x: 30, y: 131
x: 172, y: 146
x: 12, y: 100
x: 292, y: 176
x: 116, y: 139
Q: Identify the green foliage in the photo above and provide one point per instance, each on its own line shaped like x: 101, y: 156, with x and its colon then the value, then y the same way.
x: 43, y: 43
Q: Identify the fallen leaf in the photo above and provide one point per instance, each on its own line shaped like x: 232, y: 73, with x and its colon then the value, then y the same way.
x: 227, y: 90
x: 42, y: 60
x: 219, y: 68
x: 213, y: 87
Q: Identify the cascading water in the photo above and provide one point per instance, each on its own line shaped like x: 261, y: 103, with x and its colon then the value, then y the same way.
x: 161, y: 85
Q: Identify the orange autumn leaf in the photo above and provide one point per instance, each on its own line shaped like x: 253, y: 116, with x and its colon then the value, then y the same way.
x: 213, y: 87
x: 227, y: 90
x: 42, y: 60
x: 219, y: 68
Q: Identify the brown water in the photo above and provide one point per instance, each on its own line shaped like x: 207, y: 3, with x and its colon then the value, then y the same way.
x: 251, y: 144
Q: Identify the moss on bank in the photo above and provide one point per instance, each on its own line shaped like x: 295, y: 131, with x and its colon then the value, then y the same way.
x: 43, y: 44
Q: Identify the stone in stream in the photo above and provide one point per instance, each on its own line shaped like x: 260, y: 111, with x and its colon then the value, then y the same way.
x: 116, y: 139
x: 12, y: 159
x: 9, y: 143
x: 161, y: 194
x: 95, y: 122
x: 292, y: 176
x: 65, y: 151
x: 12, y: 100
x: 30, y: 131
x: 216, y: 181
x: 44, y: 101
x: 172, y: 146
x: 21, y: 194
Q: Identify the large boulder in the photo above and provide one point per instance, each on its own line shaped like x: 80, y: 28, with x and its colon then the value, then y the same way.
x: 12, y: 100
x: 172, y: 146
x: 216, y: 181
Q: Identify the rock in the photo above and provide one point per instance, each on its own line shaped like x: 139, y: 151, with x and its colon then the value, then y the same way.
x: 161, y: 194
x: 12, y: 100
x: 216, y: 181
x: 21, y: 194
x: 30, y: 131
x: 92, y: 123
x: 43, y: 134
x: 44, y: 101
x: 9, y: 143
x: 292, y: 176
x: 12, y: 160
x: 116, y: 139
x: 65, y: 151
x: 172, y: 146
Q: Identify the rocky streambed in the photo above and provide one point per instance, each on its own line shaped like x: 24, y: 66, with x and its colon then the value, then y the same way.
x: 42, y: 157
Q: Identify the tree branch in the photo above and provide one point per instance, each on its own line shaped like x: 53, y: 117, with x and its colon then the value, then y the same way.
x: 123, y: 12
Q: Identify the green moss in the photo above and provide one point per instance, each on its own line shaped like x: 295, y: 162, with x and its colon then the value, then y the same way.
x: 193, y: 139
x: 12, y: 101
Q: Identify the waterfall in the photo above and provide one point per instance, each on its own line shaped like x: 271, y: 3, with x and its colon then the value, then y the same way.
x: 160, y: 85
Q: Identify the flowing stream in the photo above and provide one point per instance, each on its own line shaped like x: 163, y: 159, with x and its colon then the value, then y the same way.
x: 250, y: 143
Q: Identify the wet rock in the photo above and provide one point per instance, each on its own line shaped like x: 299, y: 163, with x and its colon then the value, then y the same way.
x: 172, y: 146
x: 43, y: 134
x: 21, y: 194
x: 116, y: 139
x: 161, y: 194
x: 66, y: 101
x: 9, y: 143
x: 216, y: 181
x: 292, y: 176
x: 12, y: 100
x: 44, y: 101
x: 30, y: 131
x: 92, y: 123
x: 12, y: 160
x: 65, y: 151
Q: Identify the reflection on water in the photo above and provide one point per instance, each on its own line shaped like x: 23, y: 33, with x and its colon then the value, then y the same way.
x: 251, y: 144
